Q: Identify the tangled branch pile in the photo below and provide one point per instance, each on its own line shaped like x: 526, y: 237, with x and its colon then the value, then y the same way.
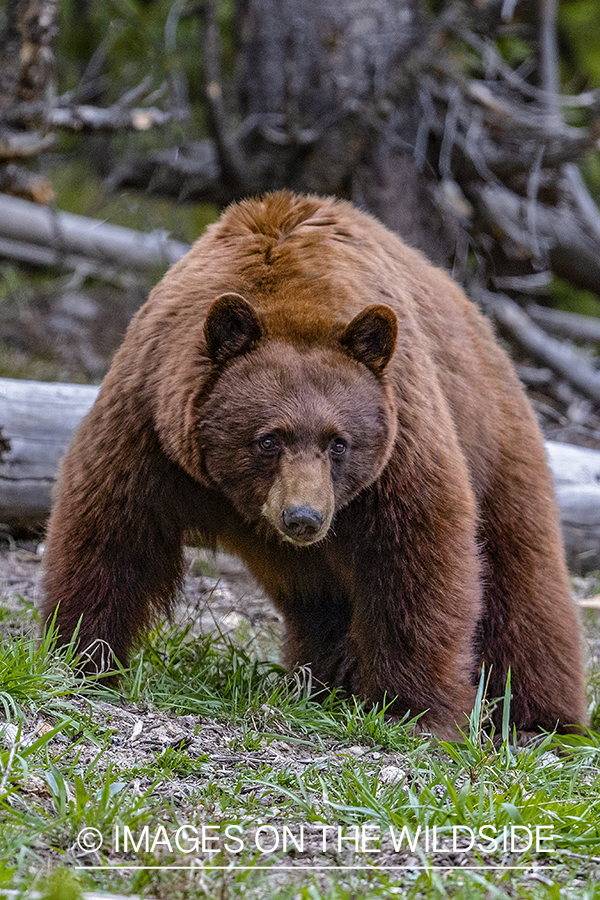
x: 413, y: 114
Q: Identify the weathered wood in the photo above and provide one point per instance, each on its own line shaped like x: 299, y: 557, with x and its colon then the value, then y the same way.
x: 565, y: 324
x: 577, y: 478
x: 37, y: 421
x: 66, y: 234
x: 562, y: 358
x: 558, y: 233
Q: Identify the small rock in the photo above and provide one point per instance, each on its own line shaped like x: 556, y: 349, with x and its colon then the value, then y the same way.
x: 231, y: 621
x: 8, y: 734
x: 391, y: 775
x: 36, y: 785
x: 43, y: 727
x: 137, y: 730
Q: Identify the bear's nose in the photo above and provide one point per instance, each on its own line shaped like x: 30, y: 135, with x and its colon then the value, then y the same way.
x: 301, y: 521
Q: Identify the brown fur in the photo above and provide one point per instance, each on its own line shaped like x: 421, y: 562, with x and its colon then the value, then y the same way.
x: 338, y: 373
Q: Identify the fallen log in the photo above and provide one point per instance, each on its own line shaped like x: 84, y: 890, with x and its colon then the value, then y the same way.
x: 53, y: 235
x: 37, y: 421
x: 576, y: 472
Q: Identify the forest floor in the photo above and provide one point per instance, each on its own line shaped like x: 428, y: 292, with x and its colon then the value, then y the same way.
x: 204, y: 735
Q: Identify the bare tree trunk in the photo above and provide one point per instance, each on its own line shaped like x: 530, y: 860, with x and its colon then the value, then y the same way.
x: 316, y: 78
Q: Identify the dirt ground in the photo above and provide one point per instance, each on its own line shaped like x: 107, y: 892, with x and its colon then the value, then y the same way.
x: 218, y: 593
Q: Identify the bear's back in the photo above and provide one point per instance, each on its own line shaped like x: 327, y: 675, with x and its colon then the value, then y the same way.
x: 312, y: 263
x: 309, y: 265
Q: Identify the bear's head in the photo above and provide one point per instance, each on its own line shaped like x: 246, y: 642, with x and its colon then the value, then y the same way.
x: 290, y: 432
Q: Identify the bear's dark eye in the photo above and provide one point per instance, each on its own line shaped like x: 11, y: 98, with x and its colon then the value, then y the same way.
x: 268, y: 444
x: 337, y: 446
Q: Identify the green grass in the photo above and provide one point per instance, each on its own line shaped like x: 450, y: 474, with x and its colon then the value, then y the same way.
x: 261, y: 757
x: 214, y: 677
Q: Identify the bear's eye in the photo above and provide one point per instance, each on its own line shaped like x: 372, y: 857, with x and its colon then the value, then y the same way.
x: 337, y: 446
x: 268, y: 444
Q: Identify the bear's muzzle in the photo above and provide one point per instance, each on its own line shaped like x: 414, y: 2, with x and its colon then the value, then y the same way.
x: 301, y: 523
x: 300, y: 504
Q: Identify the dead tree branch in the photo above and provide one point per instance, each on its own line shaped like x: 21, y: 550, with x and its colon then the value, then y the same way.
x: 560, y: 357
x: 30, y: 114
x: 82, y: 118
x: 191, y: 172
x: 548, y: 12
x: 565, y: 324
x: 571, y: 249
x: 495, y: 65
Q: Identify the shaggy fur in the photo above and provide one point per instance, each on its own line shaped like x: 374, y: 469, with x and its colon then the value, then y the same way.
x: 308, y: 392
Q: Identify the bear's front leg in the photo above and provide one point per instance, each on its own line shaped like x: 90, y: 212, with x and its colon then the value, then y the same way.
x: 416, y: 596
x: 113, y: 558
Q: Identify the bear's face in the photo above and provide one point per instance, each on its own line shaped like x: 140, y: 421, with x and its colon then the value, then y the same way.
x: 291, y: 434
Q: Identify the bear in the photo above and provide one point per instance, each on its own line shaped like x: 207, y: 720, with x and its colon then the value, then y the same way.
x: 308, y: 392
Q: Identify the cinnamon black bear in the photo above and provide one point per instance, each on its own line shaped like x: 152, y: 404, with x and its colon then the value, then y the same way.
x: 310, y: 393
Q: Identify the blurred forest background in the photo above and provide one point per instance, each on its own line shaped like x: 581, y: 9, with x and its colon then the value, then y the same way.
x: 470, y: 128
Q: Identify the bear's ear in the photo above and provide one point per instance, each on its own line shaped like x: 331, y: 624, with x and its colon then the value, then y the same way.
x: 370, y: 337
x: 231, y: 328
